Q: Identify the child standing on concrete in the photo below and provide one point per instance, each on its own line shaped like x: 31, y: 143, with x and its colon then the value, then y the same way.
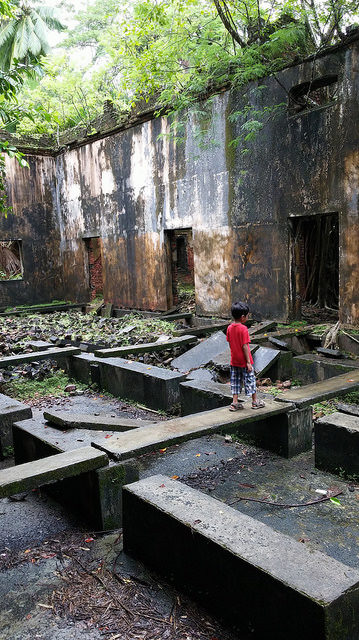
x: 242, y: 373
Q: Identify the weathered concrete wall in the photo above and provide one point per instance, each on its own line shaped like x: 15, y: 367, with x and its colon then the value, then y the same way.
x: 33, y: 221
x: 131, y: 187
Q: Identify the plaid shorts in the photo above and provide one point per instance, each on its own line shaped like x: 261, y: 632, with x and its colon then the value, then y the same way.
x: 241, y: 377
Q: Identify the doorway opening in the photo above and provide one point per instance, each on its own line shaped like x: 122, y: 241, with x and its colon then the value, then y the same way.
x: 181, y: 268
x: 315, y: 266
x: 94, y: 257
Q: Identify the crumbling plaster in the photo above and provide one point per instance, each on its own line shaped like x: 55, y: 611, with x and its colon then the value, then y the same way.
x: 132, y: 186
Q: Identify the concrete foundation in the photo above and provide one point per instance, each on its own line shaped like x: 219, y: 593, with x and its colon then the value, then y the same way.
x: 313, y: 367
x: 336, y: 442
x: 10, y: 411
x: 265, y: 582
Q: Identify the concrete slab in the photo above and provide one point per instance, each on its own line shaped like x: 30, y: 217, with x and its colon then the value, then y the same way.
x: 310, y: 394
x: 54, y: 354
x: 10, y: 411
x: 30, y: 475
x: 203, y: 331
x: 348, y: 342
x: 206, y: 375
x: 153, y: 387
x: 39, y: 345
x: 351, y: 409
x: 148, y: 347
x: 265, y: 582
x: 336, y: 444
x: 68, y: 420
x: 222, y: 360
x: 202, y: 353
x: 313, y: 367
x: 202, y: 395
x: 264, y: 359
x: 262, y: 327
x: 285, y: 432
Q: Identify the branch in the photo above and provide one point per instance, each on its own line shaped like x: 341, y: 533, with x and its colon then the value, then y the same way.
x: 227, y: 20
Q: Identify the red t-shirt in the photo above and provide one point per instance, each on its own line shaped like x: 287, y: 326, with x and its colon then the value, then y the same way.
x: 237, y: 336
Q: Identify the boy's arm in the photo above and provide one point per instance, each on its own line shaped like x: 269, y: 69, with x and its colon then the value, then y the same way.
x: 247, y: 357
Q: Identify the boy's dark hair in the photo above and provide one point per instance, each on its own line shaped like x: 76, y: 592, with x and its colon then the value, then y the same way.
x: 239, y: 309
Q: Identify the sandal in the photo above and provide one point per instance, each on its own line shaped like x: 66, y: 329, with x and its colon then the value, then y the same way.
x: 258, y: 405
x: 235, y: 407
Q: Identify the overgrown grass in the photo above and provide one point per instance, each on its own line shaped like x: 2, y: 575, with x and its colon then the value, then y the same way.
x: 53, y: 385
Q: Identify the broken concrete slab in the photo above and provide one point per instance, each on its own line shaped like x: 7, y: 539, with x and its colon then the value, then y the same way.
x: 351, y: 409
x: 336, y: 444
x: 154, y: 387
x: 262, y: 327
x: 348, y: 342
x: 280, y: 344
x: 68, y: 420
x: 206, y: 375
x: 222, y: 360
x: 313, y: 367
x: 310, y: 394
x: 146, y: 347
x: 203, y: 331
x: 285, y: 432
x: 54, y: 354
x: 264, y: 359
x: 39, y: 345
x: 30, y: 475
x: 331, y: 353
x: 203, y: 395
x: 10, y: 411
x: 202, y: 353
x: 95, y: 494
x: 266, y: 583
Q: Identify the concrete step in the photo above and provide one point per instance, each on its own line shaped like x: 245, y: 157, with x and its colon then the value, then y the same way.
x: 276, y: 427
x: 53, y: 354
x: 68, y: 420
x: 203, y: 331
x: 148, y: 347
x: 265, y: 582
x: 310, y: 394
x: 27, y: 476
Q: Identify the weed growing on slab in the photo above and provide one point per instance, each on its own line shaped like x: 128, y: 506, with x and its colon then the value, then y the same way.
x: 53, y: 385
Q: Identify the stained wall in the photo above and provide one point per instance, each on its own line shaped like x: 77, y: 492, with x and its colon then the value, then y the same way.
x: 132, y: 187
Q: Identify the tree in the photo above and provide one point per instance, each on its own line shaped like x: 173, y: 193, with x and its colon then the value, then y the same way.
x: 24, y: 34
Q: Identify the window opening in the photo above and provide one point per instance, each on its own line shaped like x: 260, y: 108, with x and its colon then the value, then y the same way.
x: 94, y: 254
x: 315, y: 264
x: 312, y: 95
x: 11, y: 267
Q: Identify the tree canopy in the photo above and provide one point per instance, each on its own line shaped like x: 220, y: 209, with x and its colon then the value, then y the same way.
x: 174, y: 51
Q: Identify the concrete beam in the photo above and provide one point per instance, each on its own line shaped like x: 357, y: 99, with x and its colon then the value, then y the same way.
x: 310, y: 394
x: 30, y: 475
x: 271, y: 426
x: 54, y: 354
x: 148, y: 347
x: 266, y: 583
x: 336, y: 444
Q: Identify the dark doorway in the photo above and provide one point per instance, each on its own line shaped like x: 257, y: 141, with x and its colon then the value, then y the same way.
x: 181, y: 267
x: 94, y: 254
x: 315, y: 264
x: 11, y: 267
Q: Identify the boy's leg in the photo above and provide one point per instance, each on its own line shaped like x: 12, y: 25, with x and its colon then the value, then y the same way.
x: 235, y: 388
x: 250, y: 388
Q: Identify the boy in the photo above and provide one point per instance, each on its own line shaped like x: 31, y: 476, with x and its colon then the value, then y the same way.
x: 242, y: 373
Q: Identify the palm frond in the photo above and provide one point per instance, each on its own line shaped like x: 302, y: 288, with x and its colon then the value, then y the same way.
x: 7, y: 31
x: 48, y: 15
x: 41, y: 30
x: 21, y: 40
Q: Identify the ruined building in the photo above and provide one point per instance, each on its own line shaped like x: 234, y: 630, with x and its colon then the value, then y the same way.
x: 125, y: 211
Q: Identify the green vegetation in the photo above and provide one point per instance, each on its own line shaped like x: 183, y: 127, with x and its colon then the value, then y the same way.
x: 30, y: 307
x: 53, y: 385
x: 173, y: 52
x: 350, y: 398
